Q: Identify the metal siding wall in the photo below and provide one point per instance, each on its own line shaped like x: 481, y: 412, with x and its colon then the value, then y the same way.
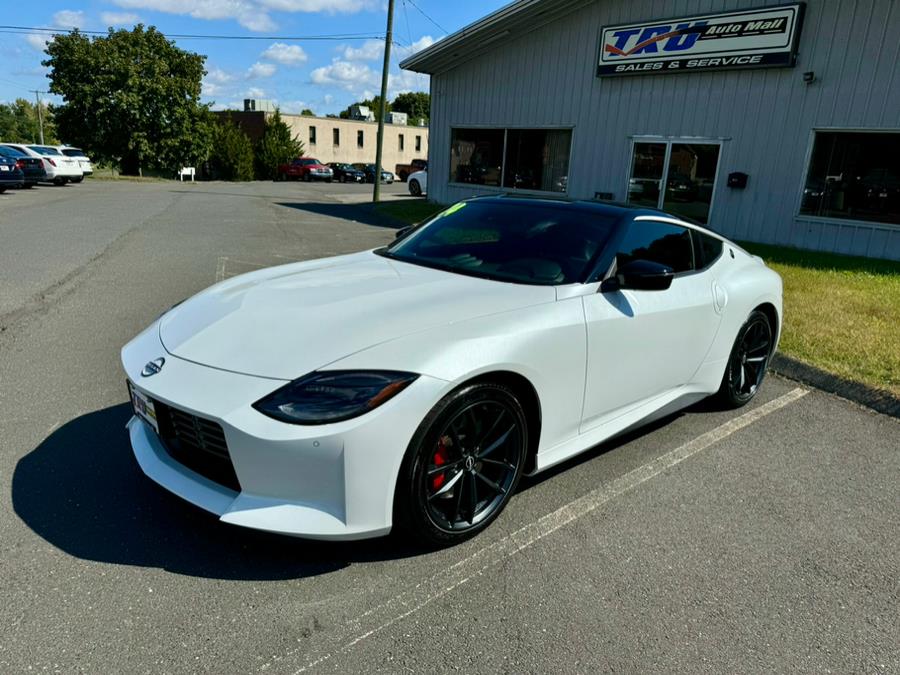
x: 547, y: 78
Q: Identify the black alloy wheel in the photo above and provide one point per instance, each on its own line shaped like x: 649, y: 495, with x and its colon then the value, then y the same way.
x: 748, y: 362
x: 414, y: 188
x: 462, y: 466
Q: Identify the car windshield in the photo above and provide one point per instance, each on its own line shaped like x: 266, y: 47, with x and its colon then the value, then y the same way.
x: 11, y: 152
x: 525, y: 243
x: 310, y: 162
x: 44, y: 150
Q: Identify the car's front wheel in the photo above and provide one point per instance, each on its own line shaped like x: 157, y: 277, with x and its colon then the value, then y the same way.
x: 748, y: 362
x: 414, y: 188
x: 462, y: 465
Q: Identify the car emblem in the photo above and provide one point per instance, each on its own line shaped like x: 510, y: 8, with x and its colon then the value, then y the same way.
x: 153, y: 367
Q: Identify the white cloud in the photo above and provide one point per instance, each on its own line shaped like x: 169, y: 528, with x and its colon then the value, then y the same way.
x: 405, y: 81
x: 255, y: 92
x: 252, y: 14
x: 38, y: 40
x: 345, y: 74
x: 68, y: 19
x: 369, y: 51
x: 258, y: 70
x: 246, y: 12
x: 119, y: 18
x: 288, y: 55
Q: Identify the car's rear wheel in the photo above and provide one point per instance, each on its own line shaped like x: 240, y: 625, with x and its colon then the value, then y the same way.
x: 414, y: 188
x: 59, y: 181
x: 462, y: 466
x: 78, y: 180
x: 748, y: 362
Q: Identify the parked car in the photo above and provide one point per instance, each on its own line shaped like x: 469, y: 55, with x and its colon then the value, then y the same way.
x: 347, y: 173
x: 78, y: 154
x: 68, y: 170
x: 11, y: 175
x: 32, y: 167
x: 369, y: 172
x: 412, y: 386
x: 52, y: 170
x: 404, y: 171
x: 418, y: 183
x: 305, y: 168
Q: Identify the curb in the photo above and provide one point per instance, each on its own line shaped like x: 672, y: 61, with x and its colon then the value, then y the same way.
x: 878, y: 400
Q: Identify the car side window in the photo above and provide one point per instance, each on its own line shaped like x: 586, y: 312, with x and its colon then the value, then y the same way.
x: 658, y: 242
x: 707, y: 249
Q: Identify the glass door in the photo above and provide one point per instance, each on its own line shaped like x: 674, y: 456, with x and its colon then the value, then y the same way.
x: 690, y: 170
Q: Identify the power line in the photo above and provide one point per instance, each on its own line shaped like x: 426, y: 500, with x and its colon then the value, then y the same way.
x: 16, y: 84
x: 25, y: 30
x: 408, y: 31
x: 444, y: 30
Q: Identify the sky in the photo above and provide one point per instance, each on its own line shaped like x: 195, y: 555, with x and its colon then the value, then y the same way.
x: 324, y: 75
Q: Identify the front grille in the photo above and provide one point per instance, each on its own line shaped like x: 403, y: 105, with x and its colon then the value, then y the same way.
x: 197, y: 443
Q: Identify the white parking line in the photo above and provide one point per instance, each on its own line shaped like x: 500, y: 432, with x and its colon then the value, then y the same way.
x: 425, y: 592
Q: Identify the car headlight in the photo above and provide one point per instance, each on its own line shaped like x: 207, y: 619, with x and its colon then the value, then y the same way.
x: 333, y: 396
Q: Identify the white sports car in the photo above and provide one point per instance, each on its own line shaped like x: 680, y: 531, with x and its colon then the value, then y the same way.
x: 413, y: 385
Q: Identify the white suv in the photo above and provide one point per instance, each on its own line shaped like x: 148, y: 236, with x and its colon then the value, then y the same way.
x: 78, y: 155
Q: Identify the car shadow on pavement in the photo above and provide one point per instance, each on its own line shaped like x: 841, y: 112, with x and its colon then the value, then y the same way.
x: 361, y: 213
x: 83, y: 492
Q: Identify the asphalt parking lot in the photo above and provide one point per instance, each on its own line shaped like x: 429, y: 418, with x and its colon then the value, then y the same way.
x: 763, y: 540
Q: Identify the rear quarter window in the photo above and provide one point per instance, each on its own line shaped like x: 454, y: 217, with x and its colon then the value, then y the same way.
x: 707, y: 249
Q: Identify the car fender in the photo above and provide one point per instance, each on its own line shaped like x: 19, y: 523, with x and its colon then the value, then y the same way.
x: 546, y: 344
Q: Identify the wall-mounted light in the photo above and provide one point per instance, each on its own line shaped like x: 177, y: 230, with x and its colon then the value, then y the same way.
x: 809, y: 77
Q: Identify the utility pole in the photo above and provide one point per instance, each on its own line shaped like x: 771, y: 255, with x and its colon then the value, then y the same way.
x: 37, y: 97
x: 382, y: 104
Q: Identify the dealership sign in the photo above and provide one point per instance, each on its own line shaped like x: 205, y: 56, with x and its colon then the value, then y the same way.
x: 755, y: 38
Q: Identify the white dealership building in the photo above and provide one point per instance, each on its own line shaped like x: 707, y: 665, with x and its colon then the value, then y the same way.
x: 771, y: 122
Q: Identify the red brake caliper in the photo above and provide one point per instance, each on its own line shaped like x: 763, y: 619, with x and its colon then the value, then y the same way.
x: 440, y: 458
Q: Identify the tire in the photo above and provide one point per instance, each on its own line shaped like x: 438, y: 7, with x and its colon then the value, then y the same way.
x: 77, y: 180
x: 414, y: 188
x: 2, y: 190
x: 343, y: 179
x: 748, y: 362
x: 403, y: 176
x: 28, y: 186
x: 59, y: 181
x: 464, y: 433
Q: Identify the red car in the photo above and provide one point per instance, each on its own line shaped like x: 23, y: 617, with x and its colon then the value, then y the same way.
x: 305, y: 168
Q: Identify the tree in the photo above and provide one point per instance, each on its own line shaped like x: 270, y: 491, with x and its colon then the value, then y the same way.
x: 232, y: 153
x: 277, y: 146
x: 131, y: 97
x: 19, y: 122
x: 415, y: 104
x: 308, y: 113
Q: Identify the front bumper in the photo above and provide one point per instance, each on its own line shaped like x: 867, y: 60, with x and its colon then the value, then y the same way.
x: 324, y: 482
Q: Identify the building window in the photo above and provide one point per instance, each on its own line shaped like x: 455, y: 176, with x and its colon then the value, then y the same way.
x: 676, y: 177
x: 418, y: 144
x: 312, y: 135
x: 534, y: 159
x: 854, y: 176
x: 360, y: 139
x: 401, y: 142
x: 336, y: 135
x: 537, y: 159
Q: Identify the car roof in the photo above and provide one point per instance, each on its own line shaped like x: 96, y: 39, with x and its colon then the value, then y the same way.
x: 606, y: 208
x: 610, y: 209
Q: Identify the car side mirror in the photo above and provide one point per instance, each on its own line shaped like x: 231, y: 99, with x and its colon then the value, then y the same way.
x: 640, y: 275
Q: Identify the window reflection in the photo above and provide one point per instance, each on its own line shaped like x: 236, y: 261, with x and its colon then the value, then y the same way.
x: 854, y: 176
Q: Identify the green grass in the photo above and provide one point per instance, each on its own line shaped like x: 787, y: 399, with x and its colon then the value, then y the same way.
x: 841, y: 314
x: 409, y: 211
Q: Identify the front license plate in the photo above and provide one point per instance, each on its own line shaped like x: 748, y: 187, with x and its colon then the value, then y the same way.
x: 143, y: 407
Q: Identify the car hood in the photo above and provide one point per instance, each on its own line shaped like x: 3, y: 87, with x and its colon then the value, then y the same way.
x: 286, y: 321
